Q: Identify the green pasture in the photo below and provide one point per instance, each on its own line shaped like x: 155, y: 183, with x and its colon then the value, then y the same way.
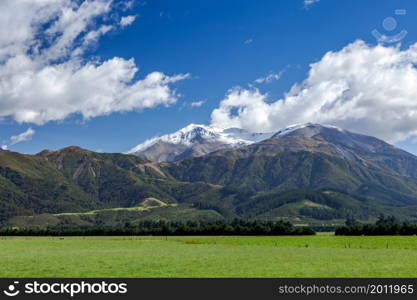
x: 291, y: 256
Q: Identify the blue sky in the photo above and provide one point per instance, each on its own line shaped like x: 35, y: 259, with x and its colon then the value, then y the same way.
x: 221, y: 45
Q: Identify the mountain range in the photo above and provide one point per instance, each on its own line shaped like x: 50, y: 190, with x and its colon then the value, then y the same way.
x: 308, y: 174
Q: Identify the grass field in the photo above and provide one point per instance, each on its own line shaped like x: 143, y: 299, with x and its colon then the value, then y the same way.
x: 293, y: 256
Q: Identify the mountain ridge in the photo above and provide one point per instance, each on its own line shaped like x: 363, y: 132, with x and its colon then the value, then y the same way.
x: 194, y: 140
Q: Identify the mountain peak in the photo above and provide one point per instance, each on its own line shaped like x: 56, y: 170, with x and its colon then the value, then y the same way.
x: 184, y: 136
x: 72, y: 149
x: 305, y: 130
x: 194, y: 140
x: 340, y: 137
x: 69, y: 149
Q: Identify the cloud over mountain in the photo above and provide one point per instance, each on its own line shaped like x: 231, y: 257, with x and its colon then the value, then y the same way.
x: 45, y: 75
x: 364, y: 88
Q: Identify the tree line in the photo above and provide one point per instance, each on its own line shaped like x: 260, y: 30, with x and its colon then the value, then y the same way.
x: 235, y: 227
x: 385, y: 225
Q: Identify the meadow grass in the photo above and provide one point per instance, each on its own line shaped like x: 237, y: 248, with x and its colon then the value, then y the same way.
x: 290, y: 256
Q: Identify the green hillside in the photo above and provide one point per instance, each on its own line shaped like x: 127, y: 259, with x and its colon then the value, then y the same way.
x: 304, y: 180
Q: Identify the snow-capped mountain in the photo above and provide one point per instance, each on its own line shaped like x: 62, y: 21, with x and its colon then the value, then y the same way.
x: 195, y: 140
x: 305, y: 130
x: 339, y: 136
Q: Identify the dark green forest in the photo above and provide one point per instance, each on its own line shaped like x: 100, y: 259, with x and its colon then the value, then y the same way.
x: 162, y: 228
x: 385, y: 225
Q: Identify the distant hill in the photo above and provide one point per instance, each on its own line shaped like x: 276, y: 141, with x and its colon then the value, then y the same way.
x: 77, y: 180
x: 307, y: 173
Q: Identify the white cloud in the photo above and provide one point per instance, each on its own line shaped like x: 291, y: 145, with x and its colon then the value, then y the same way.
x: 248, y: 41
x: 243, y: 108
x: 23, y: 137
x: 126, y: 21
x: 44, y: 76
x: 129, y: 4
x: 268, y: 78
x: 308, y: 3
x: 197, y: 103
x: 367, y: 89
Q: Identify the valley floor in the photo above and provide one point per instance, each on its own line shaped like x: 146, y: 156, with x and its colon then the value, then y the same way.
x: 292, y: 256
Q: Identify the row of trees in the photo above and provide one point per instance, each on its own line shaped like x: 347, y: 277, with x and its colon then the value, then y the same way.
x: 385, y: 225
x: 235, y: 227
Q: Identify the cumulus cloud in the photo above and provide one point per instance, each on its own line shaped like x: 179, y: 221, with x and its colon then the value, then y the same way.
x: 23, y: 137
x: 44, y: 75
x: 197, y: 103
x: 126, y: 21
x: 268, y: 78
x: 248, y: 41
x: 363, y: 88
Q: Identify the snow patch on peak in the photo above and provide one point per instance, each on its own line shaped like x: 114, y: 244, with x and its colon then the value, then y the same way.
x: 288, y: 130
x: 243, y: 134
x: 195, y: 133
x: 145, y: 145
